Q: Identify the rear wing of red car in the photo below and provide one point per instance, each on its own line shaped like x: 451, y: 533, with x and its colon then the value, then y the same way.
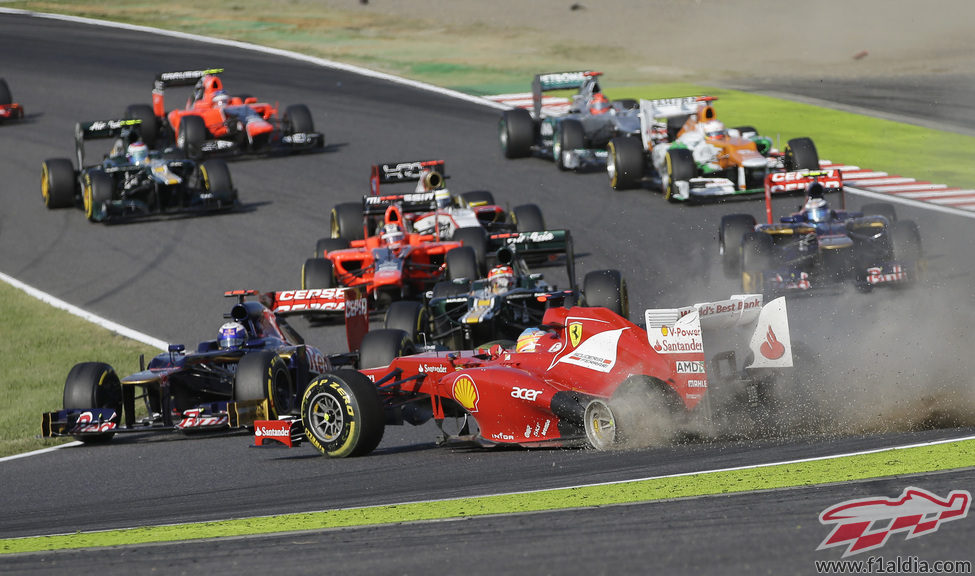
x: 797, y: 181
x: 172, y: 79
x: 558, y: 81
x: 406, y: 203
x: 688, y: 336
x: 100, y: 129
x: 432, y: 172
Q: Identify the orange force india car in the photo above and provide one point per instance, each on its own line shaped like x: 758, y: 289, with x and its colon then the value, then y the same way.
x: 585, y: 377
x: 688, y: 153
x: 9, y: 110
x: 215, y: 122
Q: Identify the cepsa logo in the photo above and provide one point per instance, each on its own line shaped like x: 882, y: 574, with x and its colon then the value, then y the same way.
x: 866, y: 523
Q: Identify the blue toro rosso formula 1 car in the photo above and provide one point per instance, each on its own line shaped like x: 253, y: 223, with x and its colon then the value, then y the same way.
x: 818, y: 247
x: 257, y: 367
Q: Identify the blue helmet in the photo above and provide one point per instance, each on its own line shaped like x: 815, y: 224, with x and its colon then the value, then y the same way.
x: 232, y: 336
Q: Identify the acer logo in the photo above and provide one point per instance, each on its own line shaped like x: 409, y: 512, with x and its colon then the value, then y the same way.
x: 525, y: 393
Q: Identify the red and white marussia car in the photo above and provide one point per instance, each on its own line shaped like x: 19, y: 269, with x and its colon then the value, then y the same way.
x: 586, y: 377
x: 9, y: 110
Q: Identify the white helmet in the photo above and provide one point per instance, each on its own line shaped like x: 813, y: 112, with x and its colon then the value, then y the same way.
x: 137, y: 153
x: 443, y: 199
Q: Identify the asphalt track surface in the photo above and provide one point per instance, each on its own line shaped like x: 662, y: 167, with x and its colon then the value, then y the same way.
x: 166, y: 278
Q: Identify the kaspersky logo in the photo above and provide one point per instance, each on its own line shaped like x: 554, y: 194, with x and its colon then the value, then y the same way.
x: 866, y: 524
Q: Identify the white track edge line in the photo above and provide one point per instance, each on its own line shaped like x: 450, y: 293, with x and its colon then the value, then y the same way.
x: 93, y: 318
x: 526, y: 492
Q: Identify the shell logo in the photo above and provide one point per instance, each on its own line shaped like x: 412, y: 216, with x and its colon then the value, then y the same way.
x: 664, y: 330
x: 465, y: 392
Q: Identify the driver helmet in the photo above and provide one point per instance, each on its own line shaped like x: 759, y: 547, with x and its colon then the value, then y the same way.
x: 715, y: 129
x: 528, y: 340
x: 220, y: 99
x: 443, y: 199
x: 598, y: 105
x: 137, y: 153
x: 231, y: 336
x: 816, y: 209
x: 392, y: 235
x: 501, y: 278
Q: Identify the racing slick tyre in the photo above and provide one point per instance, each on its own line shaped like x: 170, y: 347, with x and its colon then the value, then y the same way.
x: 5, y: 96
x: 474, y: 237
x: 528, y: 218
x: 215, y: 180
x: 880, y: 209
x: 192, y: 135
x: 905, y: 241
x: 342, y: 414
x: 57, y: 183
x: 96, y: 194
x: 742, y: 130
x: 642, y: 412
x: 346, y: 221
x: 297, y: 119
x: 93, y: 385
x: 477, y: 198
x: 264, y: 375
x: 801, y: 153
x: 624, y: 163
x: 674, y: 125
x: 326, y: 245
x: 516, y: 133
x: 380, y: 347
x: 756, y: 258
x: 627, y: 103
x: 733, y: 229
x: 409, y: 316
x: 317, y: 273
x: 462, y: 264
x: 149, y: 128
x: 569, y: 135
x: 680, y: 167
x: 606, y: 288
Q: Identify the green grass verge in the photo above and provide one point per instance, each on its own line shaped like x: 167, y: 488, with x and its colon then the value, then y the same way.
x: 882, y: 464
x: 39, y: 346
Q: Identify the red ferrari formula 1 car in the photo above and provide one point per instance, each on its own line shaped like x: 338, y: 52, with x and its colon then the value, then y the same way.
x: 215, y: 122
x: 585, y: 377
x: 9, y: 110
